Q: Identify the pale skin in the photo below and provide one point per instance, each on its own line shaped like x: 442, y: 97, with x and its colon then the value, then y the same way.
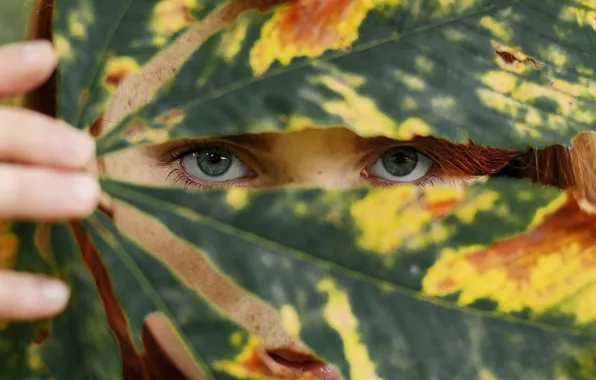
x: 41, y: 166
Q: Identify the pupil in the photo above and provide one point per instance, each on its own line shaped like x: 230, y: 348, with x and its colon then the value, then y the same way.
x: 400, y: 162
x: 214, y: 162
x: 214, y: 158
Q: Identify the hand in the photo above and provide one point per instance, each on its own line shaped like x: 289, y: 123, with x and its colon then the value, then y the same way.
x: 42, y: 163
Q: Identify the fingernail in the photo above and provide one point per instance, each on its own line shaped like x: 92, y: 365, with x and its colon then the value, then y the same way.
x: 35, y: 50
x: 80, y: 146
x: 54, y: 291
x: 85, y: 191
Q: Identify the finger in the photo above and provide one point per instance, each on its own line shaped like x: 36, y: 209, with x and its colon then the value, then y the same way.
x: 33, y: 138
x: 42, y: 194
x: 25, y: 66
x: 27, y: 297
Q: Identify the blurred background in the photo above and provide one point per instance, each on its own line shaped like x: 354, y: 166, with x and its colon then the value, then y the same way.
x: 13, y: 25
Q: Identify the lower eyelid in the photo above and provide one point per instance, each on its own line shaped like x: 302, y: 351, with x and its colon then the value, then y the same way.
x: 434, y: 171
x: 189, y: 179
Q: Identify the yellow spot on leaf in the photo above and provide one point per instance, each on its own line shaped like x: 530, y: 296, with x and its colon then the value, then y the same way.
x: 591, y: 16
x: 236, y: 338
x: 533, y: 118
x: 359, y: 112
x: 308, y: 28
x: 297, y: 123
x: 454, y: 35
x: 423, y: 64
x: 75, y: 28
x: 412, y: 81
x: 390, y: 218
x: 584, y: 88
x: 485, y: 374
x: 232, y: 38
x: 556, y: 56
x: 247, y: 364
x: 63, y: 48
x: 300, y: 208
x: 338, y: 314
x: 237, y: 198
x: 529, y: 93
x: 34, y: 357
x: 583, y: 17
x: 497, y: 29
x: 79, y: 19
x: 549, y: 268
x: 170, y: 16
x: 498, y: 101
x: 585, y: 71
x: 443, y: 103
x: 468, y: 209
x: 408, y: 103
x: 290, y: 320
x: 500, y: 81
x: 412, y: 127
x: 444, y: 195
x: 117, y: 69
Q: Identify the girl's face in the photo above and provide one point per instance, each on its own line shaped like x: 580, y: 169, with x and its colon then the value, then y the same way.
x: 331, y: 158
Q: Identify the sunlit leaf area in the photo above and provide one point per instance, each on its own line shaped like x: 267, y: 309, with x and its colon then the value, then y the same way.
x: 489, y: 278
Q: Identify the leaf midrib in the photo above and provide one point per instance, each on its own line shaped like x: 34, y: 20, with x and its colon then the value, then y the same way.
x: 103, y: 51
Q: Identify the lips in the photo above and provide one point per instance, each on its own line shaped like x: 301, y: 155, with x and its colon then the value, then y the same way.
x: 291, y: 364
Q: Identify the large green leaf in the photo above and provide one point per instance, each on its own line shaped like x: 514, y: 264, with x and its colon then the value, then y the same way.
x: 326, y: 274
x: 416, y: 67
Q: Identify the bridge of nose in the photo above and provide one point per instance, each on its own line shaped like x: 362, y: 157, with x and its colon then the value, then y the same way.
x: 326, y: 158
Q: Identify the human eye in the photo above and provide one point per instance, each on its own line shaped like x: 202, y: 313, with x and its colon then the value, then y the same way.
x: 400, y: 165
x: 209, y: 165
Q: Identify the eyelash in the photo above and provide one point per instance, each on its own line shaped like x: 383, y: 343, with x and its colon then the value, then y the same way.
x: 173, y: 156
x: 431, y: 178
x: 172, y: 159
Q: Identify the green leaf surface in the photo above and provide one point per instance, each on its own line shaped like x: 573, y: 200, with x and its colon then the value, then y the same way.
x: 81, y: 344
x: 316, y: 267
x: 419, y: 67
x: 19, y: 358
x: 211, y: 337
x: 91, y: 35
